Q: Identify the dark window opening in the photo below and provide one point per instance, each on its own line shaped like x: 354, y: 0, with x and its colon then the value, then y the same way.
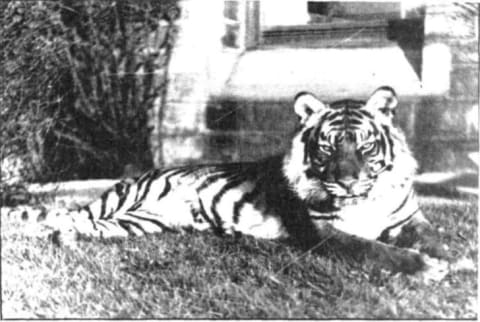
x: 334, y: 11
x: 232, y: 25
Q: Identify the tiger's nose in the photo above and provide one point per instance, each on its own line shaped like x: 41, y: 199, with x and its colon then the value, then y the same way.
x: 347, y: 182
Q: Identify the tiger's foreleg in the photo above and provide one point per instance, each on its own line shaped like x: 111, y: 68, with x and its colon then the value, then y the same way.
x: 417, y: 233
x: 389, y: 257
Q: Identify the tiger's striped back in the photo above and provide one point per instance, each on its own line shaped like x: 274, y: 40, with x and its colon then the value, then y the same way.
x: 225, y: 198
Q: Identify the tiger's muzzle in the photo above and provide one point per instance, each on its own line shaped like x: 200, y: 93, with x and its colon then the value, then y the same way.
x: 348, y: 192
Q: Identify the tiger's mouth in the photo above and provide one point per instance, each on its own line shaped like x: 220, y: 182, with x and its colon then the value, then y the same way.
x: 342, y: 195
x: 344, y: 201
x: 334, y: 204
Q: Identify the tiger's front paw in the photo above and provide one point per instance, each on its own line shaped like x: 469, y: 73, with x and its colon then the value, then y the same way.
x: 423, y: 237
x: 435, y: 269
x: 433, y: 248
x: 411, y: 261
x: 407, y: 261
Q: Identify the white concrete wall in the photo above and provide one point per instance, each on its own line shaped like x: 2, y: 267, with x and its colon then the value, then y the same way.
x: 283, y: 12
x: 279, y: 74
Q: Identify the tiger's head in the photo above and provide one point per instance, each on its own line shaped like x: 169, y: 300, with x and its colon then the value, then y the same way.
x: 342, y: 149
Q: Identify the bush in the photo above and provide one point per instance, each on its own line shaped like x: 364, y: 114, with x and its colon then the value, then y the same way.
x: 79, y: 81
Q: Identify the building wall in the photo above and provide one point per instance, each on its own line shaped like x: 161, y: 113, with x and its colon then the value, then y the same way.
x: 181, y: 117
x: 446, y: 124
x: 217, y: 111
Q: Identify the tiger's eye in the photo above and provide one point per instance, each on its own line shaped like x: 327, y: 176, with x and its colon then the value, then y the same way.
x: 325, y: 148
x: 368, y: 147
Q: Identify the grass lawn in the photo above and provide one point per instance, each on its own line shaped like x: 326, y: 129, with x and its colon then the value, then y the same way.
x: 199, y: 275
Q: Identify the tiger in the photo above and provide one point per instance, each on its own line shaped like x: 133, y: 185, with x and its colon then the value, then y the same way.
x: 345, y: 183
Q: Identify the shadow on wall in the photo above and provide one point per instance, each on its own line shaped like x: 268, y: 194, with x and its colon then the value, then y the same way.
x: 409, y: 35
x: 248, y: 130
x: 443, y: 135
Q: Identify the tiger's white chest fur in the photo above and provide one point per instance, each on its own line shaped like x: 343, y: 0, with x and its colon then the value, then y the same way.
x: 390, y: 201
x: 367, y: 217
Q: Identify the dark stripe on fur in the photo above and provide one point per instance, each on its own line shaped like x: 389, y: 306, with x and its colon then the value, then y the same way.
x: 218, y: 230
x: 156, y: 176
x: 90, y: 216
x: 401, y: 222
x: 324, y: 217
x: 123, y: 197
x: 125, y: 224
x: 153, y: 221
x: 102, y: 224
x: 390, y: 141
x: 306, y: 144
x: 235, y: 181
x: 104, y: 198
x: 409, y: 195
x: 135, y: 206
x: 140, y: 182
x: 148, y: 183
x: 215, y: 177
x: 247, y: 197
x: 188, y: 171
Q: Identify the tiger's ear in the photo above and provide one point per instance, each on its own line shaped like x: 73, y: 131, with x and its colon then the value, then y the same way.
x: 383, y: 102
x: 307, y: 104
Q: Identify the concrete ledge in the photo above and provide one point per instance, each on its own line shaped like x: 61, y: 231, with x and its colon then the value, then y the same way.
x: 279, y: 74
